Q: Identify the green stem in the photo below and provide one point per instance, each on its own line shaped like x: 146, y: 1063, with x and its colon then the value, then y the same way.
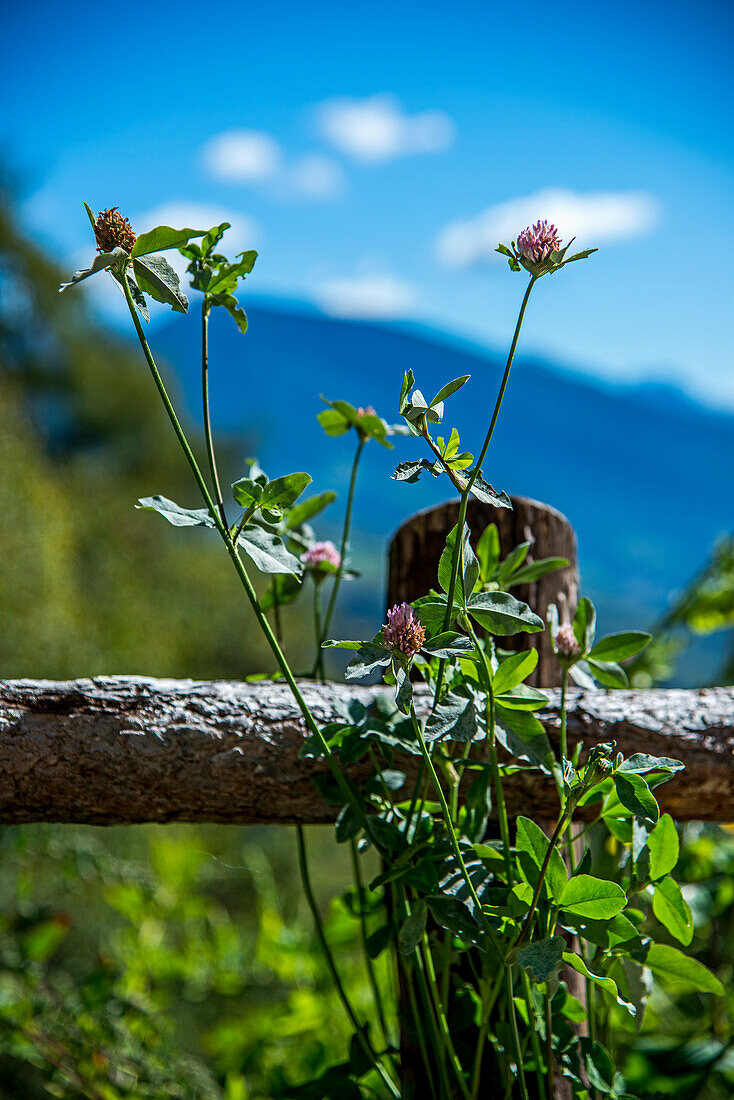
x: 247, y: 516
x: 499, y: 794
x: 317, y: 626
x: 541, y: 879
x: 344, y: 547
x: 447, y: 936
x: 240, y: 568
x: 549, y: 1058
x: 443, y: 1022
x: 563, y: 737
x: 488, y: 1003
x: 515, y: 1034
x: 205, y: 310
x: 276, y: 617
x: 448, y: 618
x: 415, y: 797
x: 428, y: 1006
x: 420, y: 1034
x: 451, y: 831
x: 503, y: 386
x: 473, y: 476
x: 534, y: 1037
x: 357, y: 872
x: 321, y: 935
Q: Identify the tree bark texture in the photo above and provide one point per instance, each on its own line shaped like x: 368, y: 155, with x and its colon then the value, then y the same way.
x: 121, y: 750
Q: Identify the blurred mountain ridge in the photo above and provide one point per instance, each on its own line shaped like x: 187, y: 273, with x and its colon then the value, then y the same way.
x: 642, y: 471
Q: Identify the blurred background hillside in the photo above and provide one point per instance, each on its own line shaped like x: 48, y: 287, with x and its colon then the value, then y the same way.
x: 373, y: 162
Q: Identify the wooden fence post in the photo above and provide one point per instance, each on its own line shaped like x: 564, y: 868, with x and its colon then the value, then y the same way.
x: 415, y: 551
x: 417, y: 545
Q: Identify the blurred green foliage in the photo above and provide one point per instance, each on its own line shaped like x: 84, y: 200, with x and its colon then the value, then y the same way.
x: 704, y: 606
x: 88, y: 585
x: 127, y: 947
x: 179, y: 961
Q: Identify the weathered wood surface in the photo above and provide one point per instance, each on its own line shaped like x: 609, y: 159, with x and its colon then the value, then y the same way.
x: 125, y: 749
x: 417, y: 545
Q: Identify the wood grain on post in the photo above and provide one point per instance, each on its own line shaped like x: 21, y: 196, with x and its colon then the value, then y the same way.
x: 417, y: 545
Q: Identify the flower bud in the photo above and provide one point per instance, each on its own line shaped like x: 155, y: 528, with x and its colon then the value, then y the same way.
x: 322, y: 553
x: 368, y: 411
x: 566, y: 642
x: 403, y: 630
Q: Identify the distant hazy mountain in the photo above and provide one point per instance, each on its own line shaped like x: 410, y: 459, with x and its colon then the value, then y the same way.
x: 643, y: 473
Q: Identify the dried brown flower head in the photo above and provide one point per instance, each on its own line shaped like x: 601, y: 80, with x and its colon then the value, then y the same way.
x: 112, y: 231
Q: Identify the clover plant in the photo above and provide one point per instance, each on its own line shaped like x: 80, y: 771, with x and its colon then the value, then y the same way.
x: 488, y: 918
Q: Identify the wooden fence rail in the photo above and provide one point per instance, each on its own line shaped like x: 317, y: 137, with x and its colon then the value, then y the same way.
x: 121, y: 750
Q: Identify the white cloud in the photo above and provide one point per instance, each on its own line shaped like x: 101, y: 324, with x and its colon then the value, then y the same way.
x: 315, y: 176
x: 593, y: 218
x: 255, y: 157
x: 378, y: 129
x: 242, y: 156
x: 367, y: 297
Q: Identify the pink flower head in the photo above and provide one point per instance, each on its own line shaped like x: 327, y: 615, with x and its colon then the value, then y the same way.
x: 565, y: 640
x: 536, y: 243
x: 368, y: 411
x: 403, y: 630
x: 320, y: 553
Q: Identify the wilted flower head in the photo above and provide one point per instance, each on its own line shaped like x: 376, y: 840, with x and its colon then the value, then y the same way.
x: 403, y: 630
x: 320, y: 553
x: 536, y: 243
x: 565, y: 640
x: 112, y: 231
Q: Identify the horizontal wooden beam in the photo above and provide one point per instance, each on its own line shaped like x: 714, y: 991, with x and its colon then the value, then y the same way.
x: 121, y: 749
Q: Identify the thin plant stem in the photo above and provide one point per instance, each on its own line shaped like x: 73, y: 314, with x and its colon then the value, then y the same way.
x: 415, y: 797
x: 549, y: 1056
x: 515, y: 1034
x: 563, y: 736
x: 447, y: 936
x: 246, y: 517
x: 321, y: 936
x: 472, y: 478
x: 357, y: 872
x: 499, y: 795
x: 534, y: 1038
x: 277, y: 622
x: 240, y: 567
x: 205, y: 311
x: 419, y: 1027
x: 450, y: 595
x: 344, y: 545
x: 488, y: 1003
x: 317, y: 626
x: 428, y: 1005
x: 570, y: 840
x: 443, y: 1022
x: 503, y: 386
x: 541, y: 879
x: 451, y: 831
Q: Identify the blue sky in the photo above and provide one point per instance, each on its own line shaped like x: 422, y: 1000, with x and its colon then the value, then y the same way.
x: 372, y: 153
